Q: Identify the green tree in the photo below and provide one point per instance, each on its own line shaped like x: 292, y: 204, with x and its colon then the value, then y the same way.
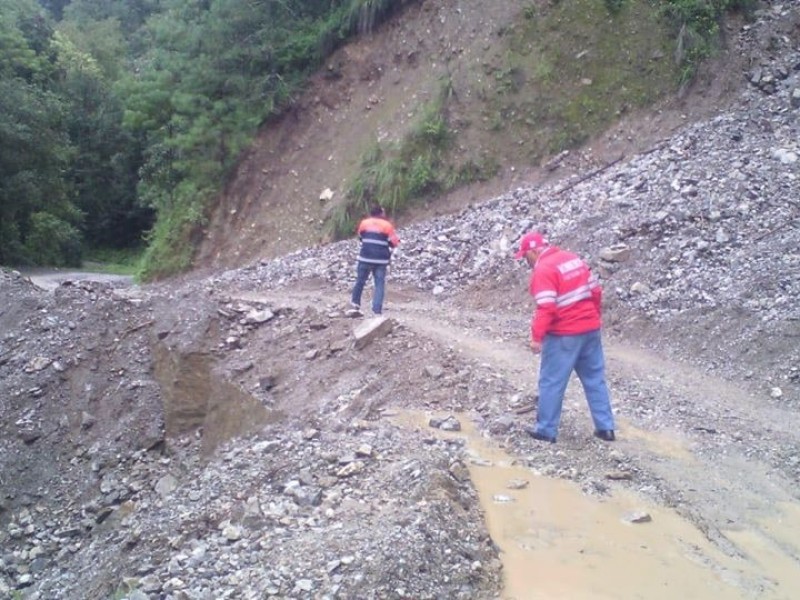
x: 214, y: 72
x: 34, y: 151
x: 104, y: 170
x: 130, y: 14
x: 34, y: 145
x: 24, y: 40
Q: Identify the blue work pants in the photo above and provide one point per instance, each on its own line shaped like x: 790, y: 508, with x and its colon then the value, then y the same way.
x: 561, y: 354
x: 378, y: 272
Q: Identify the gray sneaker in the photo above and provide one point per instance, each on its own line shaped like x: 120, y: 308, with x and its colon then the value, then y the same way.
x: 353, y: 313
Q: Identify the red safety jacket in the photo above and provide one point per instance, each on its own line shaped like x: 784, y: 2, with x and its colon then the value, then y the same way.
x: 567, y: 294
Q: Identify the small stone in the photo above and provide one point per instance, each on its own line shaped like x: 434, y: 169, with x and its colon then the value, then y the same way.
x: 310, y: 434
x: 232, y: 533
x: 258, y: 317
x: 787, y: 157
x: 616, y: 253
x: 794, y: 100
x: 37, y: 364
x: 638, y: 517
x: 502, y: 499
x: 28, y: 436
x: 365, y: 450
x: 433, y: 371
x: 518, y: 484
x: 166, y: 485
x: 333, y: 565
x: 350, y: 469
x: 448, y: 424
x: 87, y: 420
x: 267, y: 383
x: 459, y: 471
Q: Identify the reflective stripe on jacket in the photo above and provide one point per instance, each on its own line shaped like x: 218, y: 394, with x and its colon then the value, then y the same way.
x: 568, y: 295
x: 378, y: 237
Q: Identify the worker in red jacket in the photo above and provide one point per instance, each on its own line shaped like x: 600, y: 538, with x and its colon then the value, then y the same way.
x: 378, y: 240
x: 565, y: 329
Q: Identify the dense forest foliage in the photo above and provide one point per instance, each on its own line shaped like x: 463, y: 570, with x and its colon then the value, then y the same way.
x: 121, y: 119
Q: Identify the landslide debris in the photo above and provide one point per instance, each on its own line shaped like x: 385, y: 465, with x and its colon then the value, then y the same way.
x: 222, y: 436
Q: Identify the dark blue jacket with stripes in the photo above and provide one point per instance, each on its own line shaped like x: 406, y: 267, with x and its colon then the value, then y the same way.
x: 378, y: 238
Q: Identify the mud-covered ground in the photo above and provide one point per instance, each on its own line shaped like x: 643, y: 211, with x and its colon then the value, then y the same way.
x: 235, y: 435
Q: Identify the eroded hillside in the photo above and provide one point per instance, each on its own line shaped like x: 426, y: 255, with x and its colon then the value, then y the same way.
x: 236, y: 435
x: 523, y: 81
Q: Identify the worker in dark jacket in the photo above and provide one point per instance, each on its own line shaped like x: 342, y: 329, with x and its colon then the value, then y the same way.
x: 378, y: 239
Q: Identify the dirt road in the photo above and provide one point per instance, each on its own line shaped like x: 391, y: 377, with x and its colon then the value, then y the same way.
x: 49, y: 279
x: 706, y: 455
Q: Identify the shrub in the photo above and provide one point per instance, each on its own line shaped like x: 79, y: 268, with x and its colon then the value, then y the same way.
x: 614, y: 6
x: 696, y: 25
x: 52, y: 241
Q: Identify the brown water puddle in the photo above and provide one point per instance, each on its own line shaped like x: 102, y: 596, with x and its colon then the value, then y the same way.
x: 558, y: 543
x: 197, y: 399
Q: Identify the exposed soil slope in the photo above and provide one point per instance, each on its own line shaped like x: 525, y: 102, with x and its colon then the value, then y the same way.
x: 373, y: 89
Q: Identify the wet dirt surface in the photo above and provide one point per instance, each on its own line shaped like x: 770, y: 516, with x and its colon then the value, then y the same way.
x: 719, y: 516
x: 557, y: 543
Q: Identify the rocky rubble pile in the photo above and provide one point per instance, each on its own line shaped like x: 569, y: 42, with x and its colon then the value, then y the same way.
x: 69, y: 360
x: 288, y: 517
x: 124, y: 484
x: 78, y: 404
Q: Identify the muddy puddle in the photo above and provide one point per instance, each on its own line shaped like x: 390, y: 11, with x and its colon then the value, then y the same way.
x: 196, y: 399
x: 558, y: 543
